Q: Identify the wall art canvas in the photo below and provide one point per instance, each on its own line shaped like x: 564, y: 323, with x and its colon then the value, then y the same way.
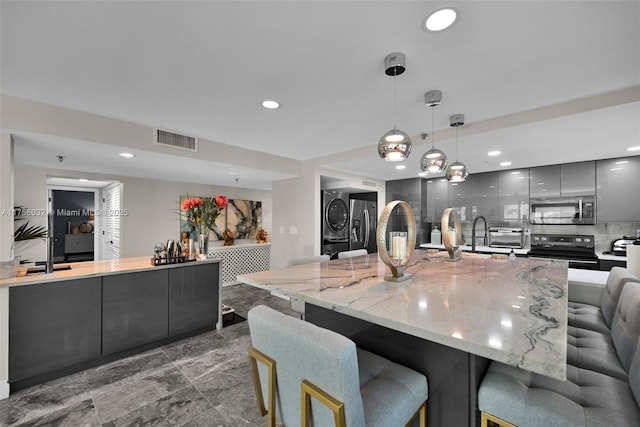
x: 244, y: 218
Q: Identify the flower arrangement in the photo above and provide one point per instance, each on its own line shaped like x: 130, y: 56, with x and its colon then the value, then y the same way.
x: 202, y: 212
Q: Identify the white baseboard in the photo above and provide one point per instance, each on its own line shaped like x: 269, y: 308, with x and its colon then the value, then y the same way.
x: 4, y: 390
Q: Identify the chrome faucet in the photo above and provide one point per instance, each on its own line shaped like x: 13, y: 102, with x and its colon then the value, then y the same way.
x: 473, y: 232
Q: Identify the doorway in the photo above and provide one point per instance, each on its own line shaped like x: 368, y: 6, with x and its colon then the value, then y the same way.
x: 73, y: 225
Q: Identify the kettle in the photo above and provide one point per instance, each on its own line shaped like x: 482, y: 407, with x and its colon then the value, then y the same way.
x: 620, y: 245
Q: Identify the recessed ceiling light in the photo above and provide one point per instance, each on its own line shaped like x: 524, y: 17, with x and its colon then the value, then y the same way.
x: 505, y: 164
x: 83, y: 179
x: 127, y: 155
x: 400, y: 166
x: 494, y: 153
x: 637, y: 148
x: 270, y: 104
x: 440, y: 19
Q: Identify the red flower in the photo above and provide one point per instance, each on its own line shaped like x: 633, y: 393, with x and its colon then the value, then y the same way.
x: 221, y: 201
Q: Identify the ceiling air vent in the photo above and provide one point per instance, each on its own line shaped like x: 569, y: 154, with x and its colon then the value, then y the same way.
x: 175, y: 140
x: 368, y: 183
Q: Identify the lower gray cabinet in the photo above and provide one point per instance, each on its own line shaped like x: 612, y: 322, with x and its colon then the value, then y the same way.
x: 53, y: 325
x: 193, y: 297
x: 134, y: 309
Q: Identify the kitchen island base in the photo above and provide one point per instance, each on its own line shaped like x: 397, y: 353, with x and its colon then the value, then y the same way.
x: 454, y: 376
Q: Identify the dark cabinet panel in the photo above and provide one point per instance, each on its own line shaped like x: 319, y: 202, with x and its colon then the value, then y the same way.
x: 460, y: 199
x: 193, y: 297
x: 135, y: 309
x: 410, y: 191
x: 53, y: 325
x: 617, y: 197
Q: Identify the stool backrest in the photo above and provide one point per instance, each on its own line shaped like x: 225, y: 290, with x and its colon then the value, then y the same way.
x: 305, y: 351
x: 625, y: 334
x: 309, y: 260
x: 351, y: 254
x: 616, y: 281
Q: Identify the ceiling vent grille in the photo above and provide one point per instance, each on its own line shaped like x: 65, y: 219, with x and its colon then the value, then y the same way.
x: 368, y: 183
x: 175, y: 140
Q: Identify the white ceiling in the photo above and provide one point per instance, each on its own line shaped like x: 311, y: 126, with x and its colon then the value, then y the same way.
x: 518, y: 70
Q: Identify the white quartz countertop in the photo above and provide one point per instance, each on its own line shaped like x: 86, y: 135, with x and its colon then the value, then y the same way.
x: 514, y: 312
x: 482, y: 249
x: 95, y: 268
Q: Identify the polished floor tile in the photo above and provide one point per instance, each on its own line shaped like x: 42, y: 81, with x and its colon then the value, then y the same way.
x: 200, y: 381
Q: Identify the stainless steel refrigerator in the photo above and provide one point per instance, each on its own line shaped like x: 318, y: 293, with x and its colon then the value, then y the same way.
x: 363, y: 219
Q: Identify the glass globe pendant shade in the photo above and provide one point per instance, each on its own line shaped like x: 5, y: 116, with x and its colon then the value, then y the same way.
x: 433, y: 161
x: 394, y: 146
x: 457, y: 172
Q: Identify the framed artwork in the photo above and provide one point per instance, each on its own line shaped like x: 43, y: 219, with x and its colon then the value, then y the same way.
x: 242, y: 217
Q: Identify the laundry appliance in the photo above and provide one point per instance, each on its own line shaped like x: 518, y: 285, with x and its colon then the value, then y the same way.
x: 335, y: 223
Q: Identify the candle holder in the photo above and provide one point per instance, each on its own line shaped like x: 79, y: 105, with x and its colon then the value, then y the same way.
x: 451, y: 234
x: 402, y: 243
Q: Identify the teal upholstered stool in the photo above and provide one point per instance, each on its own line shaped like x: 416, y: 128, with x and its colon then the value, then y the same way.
x: 313, y: 376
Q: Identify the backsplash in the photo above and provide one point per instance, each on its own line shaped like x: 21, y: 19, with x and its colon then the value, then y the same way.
x: 605, y: 233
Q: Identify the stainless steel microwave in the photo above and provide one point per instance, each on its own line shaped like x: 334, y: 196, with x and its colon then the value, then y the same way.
x: 564, y: 210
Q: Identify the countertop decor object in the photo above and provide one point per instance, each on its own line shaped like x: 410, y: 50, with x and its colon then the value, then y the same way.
x: 228, y: 238
x: 262, y: 236
x: 398, y: 263
x: 451, y: 234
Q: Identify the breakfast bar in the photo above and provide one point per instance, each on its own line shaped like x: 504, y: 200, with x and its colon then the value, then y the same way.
x: 448, y: 321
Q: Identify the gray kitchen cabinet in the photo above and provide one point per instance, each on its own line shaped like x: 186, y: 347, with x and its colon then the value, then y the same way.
x: 460, y: 194
x: 193, y: 298
x: 484, y: 195
x: 566, y: 180
x: 437, y: 199
x: 410, y: 191
x: 578, y: 179
x: 545, y: 181
x: 617, y: 192
x: 134, y: 309
x: 513, y: 198
x: 52, y: 326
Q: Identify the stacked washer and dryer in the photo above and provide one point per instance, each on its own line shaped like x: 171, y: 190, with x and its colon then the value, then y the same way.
x: 335, y: 223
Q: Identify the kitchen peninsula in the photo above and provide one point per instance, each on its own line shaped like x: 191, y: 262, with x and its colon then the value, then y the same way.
x: 99, y: 311
x: 447, y: 321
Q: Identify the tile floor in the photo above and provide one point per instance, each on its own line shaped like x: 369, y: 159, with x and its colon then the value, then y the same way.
x: 200, y: 381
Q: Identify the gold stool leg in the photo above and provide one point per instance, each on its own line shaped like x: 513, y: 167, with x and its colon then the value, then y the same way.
x: 485, y: 418
x: 308, y: 390
x: 422, y: 411
x: 254, y: 357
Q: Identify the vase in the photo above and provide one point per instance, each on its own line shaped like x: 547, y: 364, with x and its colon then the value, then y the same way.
x: 203, y: 243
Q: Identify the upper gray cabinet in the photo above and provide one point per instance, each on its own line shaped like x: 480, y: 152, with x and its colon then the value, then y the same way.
x: 460, y: 194
x: 485, y: 191
x: 437, y: 199
x: 578, y: 179
x: 571, y: 179
x: 513, y: 200
x: 617, y: 197
x: 545, y: 181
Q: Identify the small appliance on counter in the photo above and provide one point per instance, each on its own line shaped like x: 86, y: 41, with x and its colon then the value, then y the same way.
x: 619, y: 246
x: 578, y: 249
x: 506, y: 237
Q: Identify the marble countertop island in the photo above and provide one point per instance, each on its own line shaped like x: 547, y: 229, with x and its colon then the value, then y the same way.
x: 514, y: 312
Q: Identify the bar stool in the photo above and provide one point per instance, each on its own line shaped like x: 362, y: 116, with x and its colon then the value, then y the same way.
x: 312, y: 375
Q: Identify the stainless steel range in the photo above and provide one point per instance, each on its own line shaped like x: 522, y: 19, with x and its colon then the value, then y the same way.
x: 578, y: 249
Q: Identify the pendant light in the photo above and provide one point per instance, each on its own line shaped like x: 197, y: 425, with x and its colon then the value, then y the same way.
x: 395, y: 145
x: 434, y: 160
x: 457, y: 171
